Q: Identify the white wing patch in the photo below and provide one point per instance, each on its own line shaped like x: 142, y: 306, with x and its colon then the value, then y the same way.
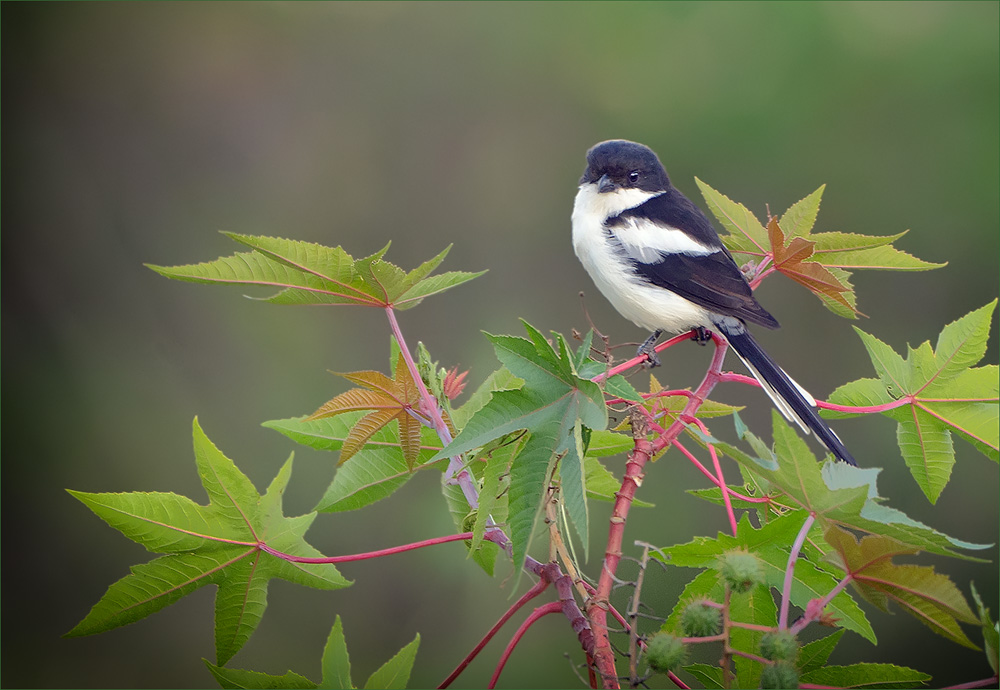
x: 648, y: 241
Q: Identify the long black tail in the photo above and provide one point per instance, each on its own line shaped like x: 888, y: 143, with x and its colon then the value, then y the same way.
x: 793, y: 401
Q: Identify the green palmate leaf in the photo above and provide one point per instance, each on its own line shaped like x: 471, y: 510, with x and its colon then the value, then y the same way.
x: 772, y: 545
x: 573, y: 484
x: 934, y: 394
x: 928, y: 596
x: 705, y: 585
x: 839, y: 494
x: 220, y: 543
x: 709, y: 676
x: 240, y: 678
x: 486, y: 553
x: 991, y: 630
x: 309, y: 273
x: 374, y: 475
x: 336, y: 664
x: 603, y: 485
x: 376, y: 471
x: 756, y: 607
x: 329, y: 433
x: 395, y: 673
x: 747, y: 233
x: 605, y: 443
x: 865, y: 676
x: 799, y: 219
x: 821, y: 262
x: 530, y: 475
x: 814, y: 654
x: 493, y: 493
x: 554, y: 405
x: 618, y: 387
x: 499, y: 380
x: 714, y: 495
x: 852, y: 252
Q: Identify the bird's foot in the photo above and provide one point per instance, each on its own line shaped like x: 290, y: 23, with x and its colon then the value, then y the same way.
x: 701, y: 335
x: 648, y: 348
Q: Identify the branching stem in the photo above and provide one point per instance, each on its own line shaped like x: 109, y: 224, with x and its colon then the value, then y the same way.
x: 544, y: 610
x: 535, y: 590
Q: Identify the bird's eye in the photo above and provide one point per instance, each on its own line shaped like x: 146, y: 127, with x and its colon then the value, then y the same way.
x: 633, y: 176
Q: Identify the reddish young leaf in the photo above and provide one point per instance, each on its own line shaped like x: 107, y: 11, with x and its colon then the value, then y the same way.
x: 389, y: 399
x: 791, y: 259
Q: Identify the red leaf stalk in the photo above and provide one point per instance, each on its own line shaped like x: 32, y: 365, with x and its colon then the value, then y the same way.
x: 544, y: 610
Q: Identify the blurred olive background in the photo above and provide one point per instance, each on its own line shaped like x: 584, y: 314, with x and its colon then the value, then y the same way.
x: 134, y: 133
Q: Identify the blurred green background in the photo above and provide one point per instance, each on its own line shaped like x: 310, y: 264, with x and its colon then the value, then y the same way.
x: 134, y: 132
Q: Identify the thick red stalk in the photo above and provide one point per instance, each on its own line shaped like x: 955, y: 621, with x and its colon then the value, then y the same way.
x: 642, y: 451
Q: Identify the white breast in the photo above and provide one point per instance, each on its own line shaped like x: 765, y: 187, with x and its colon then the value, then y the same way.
x: 645, y: 305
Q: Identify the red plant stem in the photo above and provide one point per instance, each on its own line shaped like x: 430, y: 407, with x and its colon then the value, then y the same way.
x: 625, y: 366
x: 725, y: 489
x: 983, y: 683
x: 364, y: 556
x: 457, y: 472
x: 535, y: 590
x: 748, y: 655
x: 786, y: 590
x: 597, y: 607
x: 715, y: 480
x: 750, y: 626
x: 544, y: 610
x: 697, y: 640
x: 731, y: 377
x: 642, y: 451
x: 815, y: 608
x: 905, y: 400
x: 625, y: 624
x: 712, y: 377
x: 756, y: 280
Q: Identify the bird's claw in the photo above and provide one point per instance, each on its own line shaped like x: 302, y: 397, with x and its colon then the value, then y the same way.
x: 701, y: 335
x: 648, y: 349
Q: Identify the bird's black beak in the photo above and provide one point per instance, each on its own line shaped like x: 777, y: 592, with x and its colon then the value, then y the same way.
x: 605, y: 185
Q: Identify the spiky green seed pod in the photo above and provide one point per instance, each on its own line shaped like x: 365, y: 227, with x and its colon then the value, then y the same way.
x: 701, y: 620
x: 780, y: 675
x: 780, y: 645
x: 664, y: 652
x: 742, y: 570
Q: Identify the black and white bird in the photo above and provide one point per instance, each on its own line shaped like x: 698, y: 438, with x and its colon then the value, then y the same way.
x: 656, y: 257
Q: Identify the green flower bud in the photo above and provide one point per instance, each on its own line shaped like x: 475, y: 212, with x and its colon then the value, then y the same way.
x: 664, y: 652
x: 701, y: 620
x: 742, y: 570
x: 780, y: 675
x: 780, y: 645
